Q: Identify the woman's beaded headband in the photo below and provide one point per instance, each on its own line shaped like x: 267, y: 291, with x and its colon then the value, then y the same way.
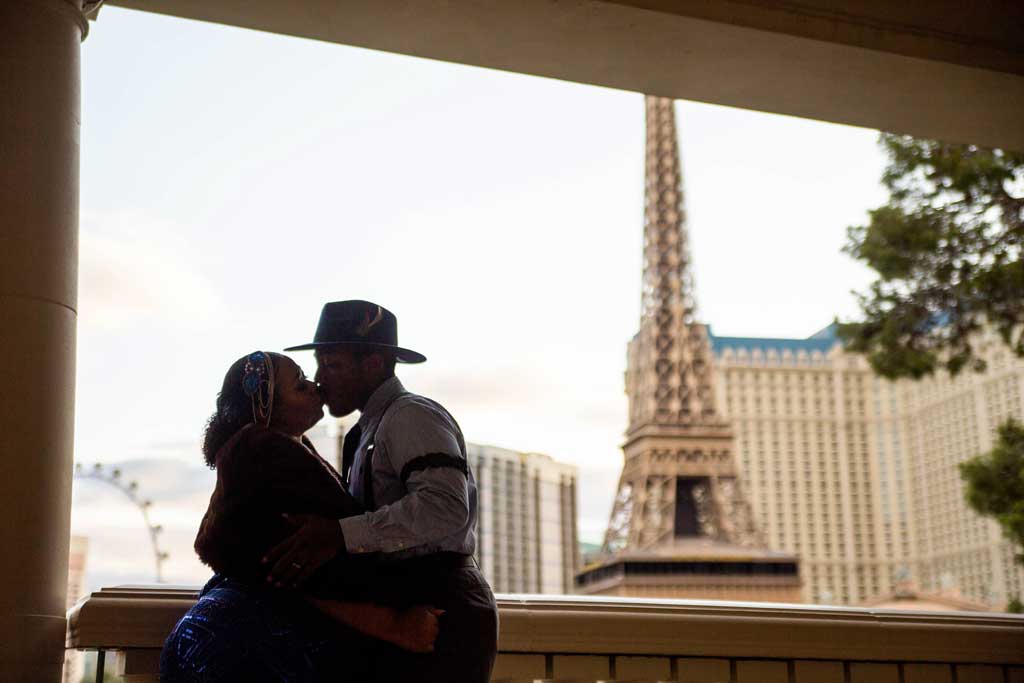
x: 258, y: 385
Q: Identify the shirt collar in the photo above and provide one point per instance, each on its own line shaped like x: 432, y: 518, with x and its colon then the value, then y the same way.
x: 379, y: 400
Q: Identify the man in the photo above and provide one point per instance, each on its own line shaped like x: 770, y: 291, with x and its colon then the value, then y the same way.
x: 405, y: 461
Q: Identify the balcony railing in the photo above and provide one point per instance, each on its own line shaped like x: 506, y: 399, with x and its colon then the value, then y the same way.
x: 568, y: 638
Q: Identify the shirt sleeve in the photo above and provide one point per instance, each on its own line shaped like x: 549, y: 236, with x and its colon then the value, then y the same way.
x: 423, y: 449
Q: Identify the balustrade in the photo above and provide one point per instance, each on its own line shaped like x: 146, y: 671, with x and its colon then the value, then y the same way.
x: 591, y: 639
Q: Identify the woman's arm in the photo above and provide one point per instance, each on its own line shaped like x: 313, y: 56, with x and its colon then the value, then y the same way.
x: 413, y: 629
x: 260, y: 475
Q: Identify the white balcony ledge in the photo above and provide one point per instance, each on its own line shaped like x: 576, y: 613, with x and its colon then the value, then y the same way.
x: 590, y: 638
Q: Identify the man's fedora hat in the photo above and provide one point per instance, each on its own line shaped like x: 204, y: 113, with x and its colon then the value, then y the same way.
x: 360, y: 324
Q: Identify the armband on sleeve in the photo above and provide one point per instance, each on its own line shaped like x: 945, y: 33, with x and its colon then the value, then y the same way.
x: 434, y: 460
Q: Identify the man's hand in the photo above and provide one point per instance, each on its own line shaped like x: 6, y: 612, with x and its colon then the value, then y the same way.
x: 294, y: 559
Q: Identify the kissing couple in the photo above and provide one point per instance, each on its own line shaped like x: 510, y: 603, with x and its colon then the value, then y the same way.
x: 367, y: 574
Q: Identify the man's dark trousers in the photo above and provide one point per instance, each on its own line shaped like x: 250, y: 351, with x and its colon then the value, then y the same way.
x: 468, y: 639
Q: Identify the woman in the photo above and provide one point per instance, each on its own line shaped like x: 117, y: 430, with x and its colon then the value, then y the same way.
x: 243, y: 629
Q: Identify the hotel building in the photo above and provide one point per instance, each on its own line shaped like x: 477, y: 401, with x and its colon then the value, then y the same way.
x: 526, y: 531
x: 858, y: 475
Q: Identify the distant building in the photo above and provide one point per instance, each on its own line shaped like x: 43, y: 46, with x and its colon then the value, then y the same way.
x: 858, y: 475
x: 907, y: 595
x: 74, y: 660
x: 526, y: 527
x: 526, y: 531
x: 589, y: 553
x: 327, y: 437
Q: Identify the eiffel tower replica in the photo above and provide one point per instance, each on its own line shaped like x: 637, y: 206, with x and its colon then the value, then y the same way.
x: 680, y: 526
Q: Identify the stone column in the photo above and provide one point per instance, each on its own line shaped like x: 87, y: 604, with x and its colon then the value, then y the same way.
x: 39, y: 141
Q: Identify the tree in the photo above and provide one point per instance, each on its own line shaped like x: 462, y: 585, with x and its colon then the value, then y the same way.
x: 995, y: 483
x: 947, y: 249
x: 1015, y: 606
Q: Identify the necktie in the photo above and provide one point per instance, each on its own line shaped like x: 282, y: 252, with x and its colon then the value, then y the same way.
x: 348, y: 452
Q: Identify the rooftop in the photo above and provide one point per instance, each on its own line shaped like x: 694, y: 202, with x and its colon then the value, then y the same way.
x: 822, y: 341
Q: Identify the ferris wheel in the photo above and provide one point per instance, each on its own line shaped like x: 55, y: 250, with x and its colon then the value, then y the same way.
x: 113, y: 477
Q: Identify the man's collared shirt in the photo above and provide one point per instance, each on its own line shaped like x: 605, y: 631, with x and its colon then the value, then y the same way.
x: 425, y: 493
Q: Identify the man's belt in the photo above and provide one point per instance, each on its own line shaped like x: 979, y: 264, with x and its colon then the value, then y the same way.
x: 464, y: 562
x: 435, y: 563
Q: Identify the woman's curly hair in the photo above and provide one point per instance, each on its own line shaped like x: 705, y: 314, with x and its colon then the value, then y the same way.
x: 234, y: 409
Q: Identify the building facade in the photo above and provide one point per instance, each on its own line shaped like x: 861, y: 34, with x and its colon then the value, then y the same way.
x: 526, y: 529
x: 327, y: 437
x: 857, y: 474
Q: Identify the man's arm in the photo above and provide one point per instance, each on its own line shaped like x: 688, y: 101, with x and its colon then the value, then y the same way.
x: 293, y: 560
x: 436, y: 506
x: 421, y: 443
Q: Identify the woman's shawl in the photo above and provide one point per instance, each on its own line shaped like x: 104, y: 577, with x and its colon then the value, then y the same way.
x: 260, y: 475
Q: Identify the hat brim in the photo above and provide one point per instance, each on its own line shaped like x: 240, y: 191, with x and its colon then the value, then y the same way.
x: 401, y: 355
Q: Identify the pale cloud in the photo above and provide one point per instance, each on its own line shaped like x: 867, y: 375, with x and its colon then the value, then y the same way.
x: 595, y: 490
x: 172, y: 485
x: 117, y: 556
x: 120, y: 550
x: 132, y: 270
x: 518, y: 387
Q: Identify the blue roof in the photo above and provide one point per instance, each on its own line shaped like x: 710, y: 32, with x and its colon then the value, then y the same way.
x: 823, y: 340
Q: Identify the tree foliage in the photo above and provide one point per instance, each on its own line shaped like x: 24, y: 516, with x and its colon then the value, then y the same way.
x: 947, y: 249
x: 995, y: 483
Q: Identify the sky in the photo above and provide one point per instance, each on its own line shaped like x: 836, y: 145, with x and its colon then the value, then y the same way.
x: 233, y: 181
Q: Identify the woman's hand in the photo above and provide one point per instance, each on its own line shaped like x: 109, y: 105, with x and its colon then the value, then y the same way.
x: 416, y: 628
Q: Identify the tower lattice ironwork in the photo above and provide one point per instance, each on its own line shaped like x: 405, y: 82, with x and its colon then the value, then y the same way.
x: 679, y: 481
